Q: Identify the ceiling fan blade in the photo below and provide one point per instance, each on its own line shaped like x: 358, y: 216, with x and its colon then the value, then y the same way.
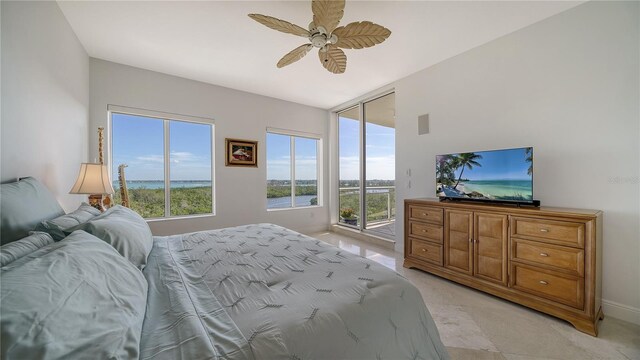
x: 358, y: 35
x: 294, y: 55
x: 280, y: 25
x: 333, y: 59
x: 327, y: 13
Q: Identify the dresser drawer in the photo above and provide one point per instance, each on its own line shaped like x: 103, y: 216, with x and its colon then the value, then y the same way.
x: 426, y: 251
x: 426, y: 213
x: 564, y: 258
x: 559, y: 287
x: 551, y: 231
x: 426, y: 231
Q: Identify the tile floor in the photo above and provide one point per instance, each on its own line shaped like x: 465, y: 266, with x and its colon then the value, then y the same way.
x: 474, y: 325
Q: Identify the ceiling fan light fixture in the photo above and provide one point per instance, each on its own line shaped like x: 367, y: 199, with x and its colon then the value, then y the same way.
x: 318, y: 40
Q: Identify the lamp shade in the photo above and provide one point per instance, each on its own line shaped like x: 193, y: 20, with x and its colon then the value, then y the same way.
x: 92, y: 179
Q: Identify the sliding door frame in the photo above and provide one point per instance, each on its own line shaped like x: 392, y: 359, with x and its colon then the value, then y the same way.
x: 362, y: 158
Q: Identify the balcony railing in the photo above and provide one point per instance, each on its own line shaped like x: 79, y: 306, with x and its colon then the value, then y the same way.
x: 380, y: 202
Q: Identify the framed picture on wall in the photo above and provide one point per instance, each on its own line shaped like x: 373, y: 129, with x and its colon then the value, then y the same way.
x: 241, y: 153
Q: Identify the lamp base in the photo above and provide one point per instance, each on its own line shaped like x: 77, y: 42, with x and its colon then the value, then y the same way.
x: 96, y: 202
x: 107, y: 202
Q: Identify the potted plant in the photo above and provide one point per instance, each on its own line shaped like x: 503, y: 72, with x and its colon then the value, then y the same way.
x: 348, y: 216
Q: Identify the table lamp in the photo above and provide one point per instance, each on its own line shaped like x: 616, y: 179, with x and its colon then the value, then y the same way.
x: 93, y: 180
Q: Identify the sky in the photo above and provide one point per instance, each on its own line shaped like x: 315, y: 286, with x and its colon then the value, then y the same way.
x: 380, y: 152
x: 279, y: 157
x: 138, y: 142
x: 499, y: 165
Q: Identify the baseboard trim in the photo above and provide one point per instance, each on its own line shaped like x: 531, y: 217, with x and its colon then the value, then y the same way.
x: 312, y: 229
x: 621, y: 311
x: 376, y: 240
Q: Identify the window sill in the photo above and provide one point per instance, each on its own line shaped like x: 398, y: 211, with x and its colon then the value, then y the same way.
x: 295, y: 208
x: 181, y: 217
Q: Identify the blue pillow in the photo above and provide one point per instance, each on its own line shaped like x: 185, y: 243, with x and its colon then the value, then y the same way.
x: 25, y: 246
x: 23, y: 204
x: 73, y: 299
x: 125, y: 230
x: 57, y: 226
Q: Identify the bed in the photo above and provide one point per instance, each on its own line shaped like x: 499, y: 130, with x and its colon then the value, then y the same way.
x: 256, y: 291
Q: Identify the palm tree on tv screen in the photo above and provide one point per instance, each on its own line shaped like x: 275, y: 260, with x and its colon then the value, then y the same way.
x: 445, y: 167
x: 528, y: 152
x: 468, y: 161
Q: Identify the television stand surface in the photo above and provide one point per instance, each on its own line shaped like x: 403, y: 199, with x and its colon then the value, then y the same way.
x: 533, y: 203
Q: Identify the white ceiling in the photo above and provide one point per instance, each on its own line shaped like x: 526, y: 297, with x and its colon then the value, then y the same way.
x: 216, y: 42
x: 380, y: 111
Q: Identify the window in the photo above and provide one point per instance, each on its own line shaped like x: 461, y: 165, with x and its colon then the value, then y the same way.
x: 169, y: 162
x: 292, y: 170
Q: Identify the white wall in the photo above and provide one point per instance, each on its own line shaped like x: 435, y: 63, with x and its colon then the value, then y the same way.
x: 240, y: 192
x: 569, y: 87
x: 45, y: 98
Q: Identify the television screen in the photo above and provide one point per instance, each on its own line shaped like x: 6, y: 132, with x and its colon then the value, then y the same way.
x: 499, y: 175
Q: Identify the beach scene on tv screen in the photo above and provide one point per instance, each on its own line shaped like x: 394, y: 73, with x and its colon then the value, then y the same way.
x: 505, y: 175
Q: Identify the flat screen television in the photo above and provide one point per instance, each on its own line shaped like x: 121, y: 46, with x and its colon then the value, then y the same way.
x: 495, y: 176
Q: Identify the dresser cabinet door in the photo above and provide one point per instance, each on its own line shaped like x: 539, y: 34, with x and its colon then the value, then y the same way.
x: 458, y: 236
x: 490, y: 247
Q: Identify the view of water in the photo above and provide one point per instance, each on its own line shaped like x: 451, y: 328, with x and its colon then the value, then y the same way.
x: 272, y: 203
x: 159, y: 184
x: 500, y: 188
x: 285, y: 201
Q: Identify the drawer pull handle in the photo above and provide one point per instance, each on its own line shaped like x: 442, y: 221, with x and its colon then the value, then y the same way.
x: 544, y: 254
x: 544, y: 230
x: 425, y: 214
x: 425, y: 250
x: 544, y: 282
x: 423, y: 230
x: 470, y: 240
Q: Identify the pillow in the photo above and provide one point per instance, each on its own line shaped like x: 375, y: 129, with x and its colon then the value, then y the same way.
x: 17, y: 249
x: 56, y: 226
x: 125, y: 230
x: 23, y: 204
x: 73, y: 299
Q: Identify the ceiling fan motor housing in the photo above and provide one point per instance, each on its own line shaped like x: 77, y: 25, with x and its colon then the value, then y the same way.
x: 318, y: 40
x: 318, y: 37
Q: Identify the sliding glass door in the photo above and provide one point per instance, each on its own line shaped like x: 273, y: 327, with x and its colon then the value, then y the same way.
x: 380, y: 165
x: 366, y: 140
x: 349, y: 129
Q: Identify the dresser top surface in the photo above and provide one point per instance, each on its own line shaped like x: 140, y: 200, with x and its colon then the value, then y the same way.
x: 514, y: 209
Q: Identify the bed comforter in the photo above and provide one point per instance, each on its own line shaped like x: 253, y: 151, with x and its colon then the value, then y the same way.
x: 266, y: 292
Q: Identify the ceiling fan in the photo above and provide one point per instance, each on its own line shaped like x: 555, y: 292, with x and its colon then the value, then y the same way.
x: 325, y: 35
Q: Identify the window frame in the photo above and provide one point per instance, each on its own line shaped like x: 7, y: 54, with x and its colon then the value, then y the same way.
x: 166, y: 118
x: 292, y: 147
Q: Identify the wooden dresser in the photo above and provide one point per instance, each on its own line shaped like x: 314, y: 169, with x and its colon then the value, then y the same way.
x: 548, y: 259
